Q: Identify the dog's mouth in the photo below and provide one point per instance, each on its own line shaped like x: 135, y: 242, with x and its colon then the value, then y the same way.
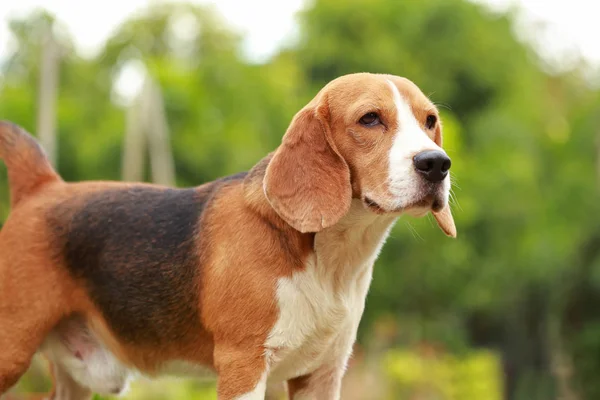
x: 432, y: 201
x: 373, y: 205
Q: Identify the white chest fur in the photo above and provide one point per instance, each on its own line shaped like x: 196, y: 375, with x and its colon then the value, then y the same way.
x: 321, y: 306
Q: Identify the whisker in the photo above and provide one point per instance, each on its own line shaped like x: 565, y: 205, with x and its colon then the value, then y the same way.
x: 413, y: 231
x: 454, y: 181
x: 454, y: 200
x: 442, y: 105
x: 384, y: 182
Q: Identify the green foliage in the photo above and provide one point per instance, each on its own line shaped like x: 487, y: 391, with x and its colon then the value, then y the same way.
x: 475, y: 376
x: 523, y: 145
x: 172, y: 389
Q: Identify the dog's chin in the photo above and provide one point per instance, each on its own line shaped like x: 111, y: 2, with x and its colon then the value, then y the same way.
x: 418, y: 207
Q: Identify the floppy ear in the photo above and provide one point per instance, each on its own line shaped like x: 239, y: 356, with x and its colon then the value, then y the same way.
x: 445, y: 220
x: 307, y: 181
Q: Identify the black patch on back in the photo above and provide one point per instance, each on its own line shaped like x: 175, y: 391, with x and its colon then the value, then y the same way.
x: 137, y: 251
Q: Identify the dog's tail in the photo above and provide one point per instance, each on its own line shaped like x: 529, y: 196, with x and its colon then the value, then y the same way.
x: 28, y: 167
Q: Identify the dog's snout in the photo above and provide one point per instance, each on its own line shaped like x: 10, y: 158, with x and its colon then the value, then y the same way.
x: 432, y: 164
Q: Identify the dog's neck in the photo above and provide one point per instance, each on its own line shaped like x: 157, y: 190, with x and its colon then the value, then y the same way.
x: 344, y: 251
x: 348, y: 249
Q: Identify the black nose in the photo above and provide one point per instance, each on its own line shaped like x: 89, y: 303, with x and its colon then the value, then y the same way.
x: 432, y: 164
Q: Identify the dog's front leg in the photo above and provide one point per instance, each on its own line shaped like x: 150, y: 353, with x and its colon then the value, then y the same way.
x: 242, y: 372
x: 323, y: 384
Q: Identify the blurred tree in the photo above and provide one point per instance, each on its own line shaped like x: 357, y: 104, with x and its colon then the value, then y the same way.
x: 239, y: 110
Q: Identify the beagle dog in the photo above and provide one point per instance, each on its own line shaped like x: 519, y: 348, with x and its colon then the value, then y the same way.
x: 261, y: 276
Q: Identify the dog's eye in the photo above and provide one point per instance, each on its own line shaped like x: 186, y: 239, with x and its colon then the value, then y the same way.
x: 370, y: 119
x: 430, y: 121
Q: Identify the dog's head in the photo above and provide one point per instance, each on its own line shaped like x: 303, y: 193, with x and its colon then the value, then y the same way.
x: 376, y: 138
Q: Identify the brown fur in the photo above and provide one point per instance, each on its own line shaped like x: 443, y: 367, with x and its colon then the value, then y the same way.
x: 250, y: 232
x: 24, y: 158
x: 298, y: 194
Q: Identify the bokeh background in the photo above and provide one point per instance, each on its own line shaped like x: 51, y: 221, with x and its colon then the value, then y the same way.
x: 175, y: 93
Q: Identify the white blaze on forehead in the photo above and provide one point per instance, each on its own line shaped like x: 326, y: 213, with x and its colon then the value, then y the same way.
x: 409, y: 140
x: 410, y: 137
